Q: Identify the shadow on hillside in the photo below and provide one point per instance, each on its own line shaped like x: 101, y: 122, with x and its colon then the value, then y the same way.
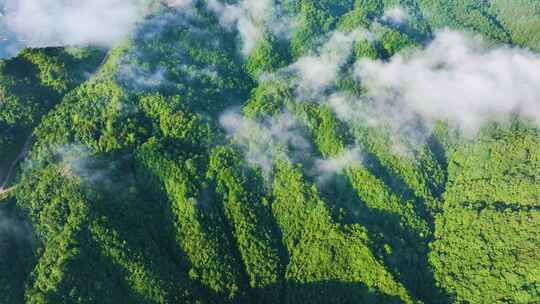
x: 439, y: 152
x: 317, y: 292
x: 17, y: 252
x: 407, y: 257
x: 398, y: 186
x: 136, y: 214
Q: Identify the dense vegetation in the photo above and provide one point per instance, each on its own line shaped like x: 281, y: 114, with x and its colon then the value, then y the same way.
x: 133, y: 189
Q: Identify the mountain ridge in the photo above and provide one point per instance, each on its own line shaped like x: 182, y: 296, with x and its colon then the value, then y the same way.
x: 173, y: 168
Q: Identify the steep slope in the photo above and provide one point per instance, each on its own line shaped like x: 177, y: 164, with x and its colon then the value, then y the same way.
x: 176, y: 168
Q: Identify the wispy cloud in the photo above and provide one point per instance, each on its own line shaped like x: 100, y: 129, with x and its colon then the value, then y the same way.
x: 265, y: 142
x: 63, y: 22
x: 79, y: 162
x: 458, y: 79
x: 44, y: 23
x: 325, y: 168
x: 395, y: 15
x: 316, y: 72
x: 11, y: 227
x: 252, y: 18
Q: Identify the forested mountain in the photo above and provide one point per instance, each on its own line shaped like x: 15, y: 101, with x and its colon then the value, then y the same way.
x: 287, y: 151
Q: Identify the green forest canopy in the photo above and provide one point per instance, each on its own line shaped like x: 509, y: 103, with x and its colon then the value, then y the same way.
x: 132, y: 191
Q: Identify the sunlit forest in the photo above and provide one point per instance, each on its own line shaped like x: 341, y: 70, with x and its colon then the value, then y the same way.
x: 276, y: 151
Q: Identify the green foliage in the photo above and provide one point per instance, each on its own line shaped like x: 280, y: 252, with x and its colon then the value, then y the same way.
x: 30, y: 86
x: 316, y: 18
x: 393, y: 41
x: 465, y: 14
x: 63, y: 69
x: 181, y: 124
x: 521, y: 18
x: 386, y: 206
x: 69, y: 268
x: 502, y: 165
x: 97, y: 114
x: 320, y: 250
x: 16, y: 251
x: 356, y: 18
x: 267, y: 99
x: 268, y: 56
x: 199, y: 226
x: 133, y: 193
x: 488, y: 254
x: 31, y: 83
x: 367, y: 49
x: 178, y: 54
x: 248, y: 211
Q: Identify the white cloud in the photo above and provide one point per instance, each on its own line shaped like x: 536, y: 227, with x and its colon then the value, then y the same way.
x: 228, y: 14
x: 312, y: 74
x: 243, y: 16
x: 65, y: 22
x: 79, y: 162
x: 184, y: 4
x: 395, y: 15
x: 136, y: 77
x: 12, y: 227
x: 259, y: 9
x: 251, y: 34
x: 406, y: 128
x: 265, y: 142
x: 325, y: 168
x: 458, y: 80
x: 251, y: 18
x: 317, y: 72
x: 282, y: 136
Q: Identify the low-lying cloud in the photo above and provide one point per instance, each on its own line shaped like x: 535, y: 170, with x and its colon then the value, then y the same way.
x: 13, y: 227
x: 43, y: 23
x: 324, y: 169
x: 317, y: 72
x: 265, y: 142
x: 251, y: 18
x: 79, y: 162
x: 456, y: 79
x: 64, y: 22
x: 395, y: 15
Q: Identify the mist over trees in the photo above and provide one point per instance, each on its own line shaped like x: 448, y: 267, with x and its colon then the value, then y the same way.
x: 295, y: 151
